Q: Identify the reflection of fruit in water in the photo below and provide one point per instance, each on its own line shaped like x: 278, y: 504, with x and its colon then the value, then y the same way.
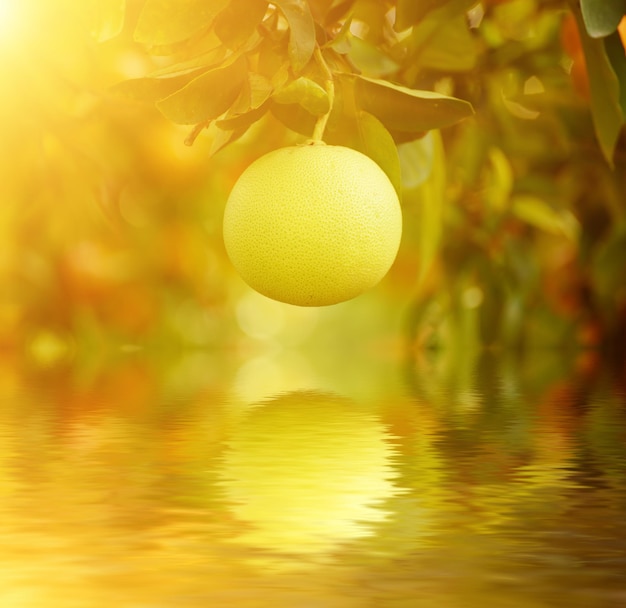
x: 306, y: 471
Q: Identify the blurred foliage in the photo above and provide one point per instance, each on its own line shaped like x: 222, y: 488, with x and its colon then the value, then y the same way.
x: 500, y: 121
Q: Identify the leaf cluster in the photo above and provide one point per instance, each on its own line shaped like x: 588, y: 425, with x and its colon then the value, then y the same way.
x: 346, y: 65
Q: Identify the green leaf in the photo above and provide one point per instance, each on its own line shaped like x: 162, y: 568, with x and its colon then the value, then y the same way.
x: 615, y: 52
x: 376, y: 142
x: 294, y: 117
x: 224, y: 137
x: 163, y: 22
x: 428, y: 29
x: 151, y: 89
x: 301, y: 31
x: 272, y: 62
x: 498, y: 181
x: 410, y: 12
x: 250, y: 106
x: 243, y: 120
x: 369, y: 59
x: 402, y: 109
x: 539, y: 214
x: 260, y: 89
x: 108, y: 18
x: 365, y: 133
x: 416, y: 160
x: 207, y: 96
x: 605, y: 93
x: 453, y: 49
x: 431, y: 197
x: 237, y: 22
x: 341, y: 42
x: 306, y: 92
x: 204, y: 61
x: 601, y: 17
x: 405, y: 137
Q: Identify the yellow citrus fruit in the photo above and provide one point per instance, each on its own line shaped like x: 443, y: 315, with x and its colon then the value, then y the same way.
x: 312, y: 225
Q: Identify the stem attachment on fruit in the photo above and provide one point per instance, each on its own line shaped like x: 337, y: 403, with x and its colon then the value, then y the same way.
x: 329, y: 87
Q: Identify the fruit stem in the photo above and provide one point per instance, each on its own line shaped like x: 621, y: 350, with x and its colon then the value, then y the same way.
x: 329, y: 86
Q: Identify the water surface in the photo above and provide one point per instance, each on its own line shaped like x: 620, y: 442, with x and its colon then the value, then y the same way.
x: 499, y: 482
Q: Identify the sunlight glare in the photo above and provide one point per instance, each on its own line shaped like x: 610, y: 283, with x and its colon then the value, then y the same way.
x: 11, y: 21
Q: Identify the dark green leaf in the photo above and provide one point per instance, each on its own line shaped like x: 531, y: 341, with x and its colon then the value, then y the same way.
x: 608, y: 266
x: 294, y: 117
x: 615, y: 53
x: 306, y: 92
x: 403, y: 109
x: 207, y: 96
x: 605, y: 93
x: 164, y: 22
x: 410, y: 12
x: 108, y: 18
x: 491, y: 311
x: 601, y: 17
x: 302, y: 31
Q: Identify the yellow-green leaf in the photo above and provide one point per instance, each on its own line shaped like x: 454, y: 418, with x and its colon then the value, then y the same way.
x: 431, y: 197
x: 369, y: 59
x: 207, y: 96
x: 236, y: 23
x: 223, y: 137
x: 402, y: 109
x: 301, y: 31
x: 306, y: 92
x: 365, y: 133
x: 410, y: 12
x: 151, y: 89
x: 499, y: 180
x: 163, y: 22
x: 108, y: 18
x: 376, y: 142
x: 250, y: 106
x: 601, y: 17
x: 605, y: 95
x: 416, y: 160
x: 539, y: 214
x: 294, y: 117
x: 452, y: 50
